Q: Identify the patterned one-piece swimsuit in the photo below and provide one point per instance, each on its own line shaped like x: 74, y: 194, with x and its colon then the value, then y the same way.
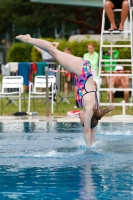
x: 81, y: 81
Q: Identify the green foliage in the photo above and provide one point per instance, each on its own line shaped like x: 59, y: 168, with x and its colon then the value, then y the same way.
x: 27, y: 16
x: 19, y: 52
x: 35, y: 55
x: 78, y: 48
x: 24, y: 16
x: 81, y: 47
x: 60, y: 109
x: 63, y: 44
x: 124, y: 52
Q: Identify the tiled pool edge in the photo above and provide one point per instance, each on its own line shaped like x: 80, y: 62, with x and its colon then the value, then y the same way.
x: 117, y: 118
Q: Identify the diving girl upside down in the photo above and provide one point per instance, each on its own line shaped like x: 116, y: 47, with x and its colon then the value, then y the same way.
x: 86, y: 93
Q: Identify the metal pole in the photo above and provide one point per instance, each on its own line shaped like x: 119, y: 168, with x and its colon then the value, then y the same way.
x: 47, y: 96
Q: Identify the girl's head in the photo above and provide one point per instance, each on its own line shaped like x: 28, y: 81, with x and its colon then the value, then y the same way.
x: 97, y: 115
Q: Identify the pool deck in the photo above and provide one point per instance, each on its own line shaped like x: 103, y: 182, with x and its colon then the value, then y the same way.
x: 37, y: 118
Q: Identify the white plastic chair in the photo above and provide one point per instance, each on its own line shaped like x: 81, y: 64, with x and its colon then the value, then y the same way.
x: 40, y: 82
x: 12, y: 87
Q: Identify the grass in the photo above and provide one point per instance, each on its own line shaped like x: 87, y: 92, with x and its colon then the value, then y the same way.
x: 60, y: 109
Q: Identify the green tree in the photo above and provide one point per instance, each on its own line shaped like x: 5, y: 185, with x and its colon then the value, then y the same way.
x: 19, y: 52
x: 24, y: 16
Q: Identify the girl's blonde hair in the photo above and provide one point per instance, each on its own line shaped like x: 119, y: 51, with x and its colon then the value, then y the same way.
x: 99, y: 113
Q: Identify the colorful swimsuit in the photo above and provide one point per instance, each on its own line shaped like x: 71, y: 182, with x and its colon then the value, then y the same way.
x: 81, y: 80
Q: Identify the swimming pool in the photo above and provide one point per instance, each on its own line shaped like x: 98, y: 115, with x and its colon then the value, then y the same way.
x: 48, y: 160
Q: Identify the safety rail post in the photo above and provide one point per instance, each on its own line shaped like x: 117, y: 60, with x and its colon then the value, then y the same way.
x: 47, y: 96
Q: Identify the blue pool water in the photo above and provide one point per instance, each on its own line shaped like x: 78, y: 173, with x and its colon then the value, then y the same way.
x: 49, y: 160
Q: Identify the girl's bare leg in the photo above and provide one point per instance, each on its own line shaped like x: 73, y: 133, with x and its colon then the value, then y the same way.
x: 87, y: 137
x: 68, y: 61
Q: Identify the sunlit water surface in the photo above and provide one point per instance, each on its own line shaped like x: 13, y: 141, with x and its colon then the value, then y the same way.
x: 50, y: 161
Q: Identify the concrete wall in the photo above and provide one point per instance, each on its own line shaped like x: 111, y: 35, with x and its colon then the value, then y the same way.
x: 107, y: 37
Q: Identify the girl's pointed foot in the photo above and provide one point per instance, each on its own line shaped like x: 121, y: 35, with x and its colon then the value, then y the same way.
x: 23, y: 38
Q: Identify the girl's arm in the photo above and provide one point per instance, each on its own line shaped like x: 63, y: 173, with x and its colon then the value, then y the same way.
x: 56, y: 44
x: 38, y: 49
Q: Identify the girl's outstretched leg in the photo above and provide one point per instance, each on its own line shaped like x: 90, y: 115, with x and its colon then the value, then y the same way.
x: 68, y: 61
x: 43, y: 44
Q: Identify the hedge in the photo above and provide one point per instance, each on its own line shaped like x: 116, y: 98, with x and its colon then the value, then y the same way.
x: 21, y: 52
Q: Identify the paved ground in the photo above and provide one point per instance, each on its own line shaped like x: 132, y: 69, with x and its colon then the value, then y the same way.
x: 115, y: 118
